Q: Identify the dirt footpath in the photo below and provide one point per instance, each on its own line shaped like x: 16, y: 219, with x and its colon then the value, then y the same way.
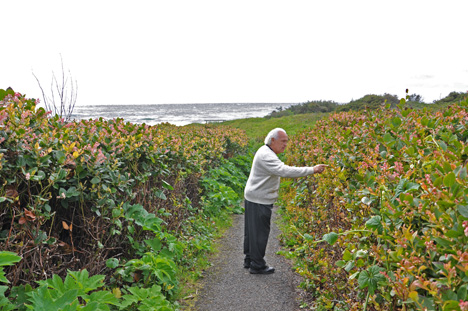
x: 227, y: 285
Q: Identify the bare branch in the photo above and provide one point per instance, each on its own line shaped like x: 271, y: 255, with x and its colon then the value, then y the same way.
x: 52, y: 92
x: 66, y: 91
x: 73, y: 96
x: 46, y: 103
x: 62, y: 93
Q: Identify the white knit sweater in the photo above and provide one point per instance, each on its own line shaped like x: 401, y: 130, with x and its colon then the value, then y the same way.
x: 264, y: 180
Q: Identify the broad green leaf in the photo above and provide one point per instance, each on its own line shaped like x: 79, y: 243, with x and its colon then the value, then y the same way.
x: 453, y: 233
x: 462, y: 291
x: 411, y: 151
x: 406, y: 197
x: 60, y: 156
x: 55, y: 283
x: 413, y: 295
x: 438, y: 181
x: 412, y: 186
x: 443, y: 242
x: 447, y: 167
x: 340, y: 263
x: 366, y: 201
x: 463, y: 210
x: 8, y: 258
x: 167, y: 185
x: 347, y: 255
x: 112, y: 263
x: 375, y: 223
x: 152, y: 223
x: 442, y: 145
x: 350, y: 265
x: 396, y: 122
x: 78, y: 280
x: 103, y: 297
x: 116, y: 212
x: 428, y: 303
x: 363, y: 279
x: 451, y: 305
x: 3, y: 93
x: 3, y: 279
x: 370, y: 277
x: 149, y: 298
x: 5, y: 304
x: 449, y: 179
x: 39, y: 176
x: 331, y: 238
x: 449, y: 295
x: 404, y: 186
x: 160, y: 194
x: 95, y: 306
x: 155, y: 244
x: 354, y: 275
x: 462, y: 173
x: 41, y: 299
x: 72, y: 192
x: 388, y: 138
x: 424, y: 121
x: 21, y: 293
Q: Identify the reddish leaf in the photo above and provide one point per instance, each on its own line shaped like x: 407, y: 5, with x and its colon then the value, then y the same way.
x: 137, y: 276
x: 65, y: 226
x: 30, y: 215
x: 11, y: 192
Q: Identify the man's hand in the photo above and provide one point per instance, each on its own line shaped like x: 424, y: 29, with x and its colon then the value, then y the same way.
x: 319, y: 168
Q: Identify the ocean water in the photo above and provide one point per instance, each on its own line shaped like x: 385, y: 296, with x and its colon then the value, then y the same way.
x: 177, y: 114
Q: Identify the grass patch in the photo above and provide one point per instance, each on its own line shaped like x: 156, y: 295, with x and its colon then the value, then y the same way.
x: 189, y: 279
x: 257, y: 128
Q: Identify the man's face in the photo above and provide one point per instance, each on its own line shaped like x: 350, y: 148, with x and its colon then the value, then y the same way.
x: 278, y: 145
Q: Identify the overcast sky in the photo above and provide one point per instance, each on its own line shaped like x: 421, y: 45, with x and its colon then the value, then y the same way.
x: 153, y: 52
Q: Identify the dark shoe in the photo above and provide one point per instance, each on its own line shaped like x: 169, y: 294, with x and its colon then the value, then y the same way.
x: 266, y: 270
x: 246, y: 265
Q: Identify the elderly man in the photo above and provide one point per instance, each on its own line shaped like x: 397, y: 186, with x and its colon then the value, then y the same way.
x: 261, y: 191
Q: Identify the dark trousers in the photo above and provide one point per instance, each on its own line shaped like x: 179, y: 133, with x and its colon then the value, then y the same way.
x: 256, y: 231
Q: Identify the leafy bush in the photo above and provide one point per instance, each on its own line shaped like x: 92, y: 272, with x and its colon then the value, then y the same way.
x: 6, y: 259
x: 452, y: 97
x: 385, y: 226
x: 224, y: 186
x: 318, y: 106
x: 370, y: 102
x: 109, y: 197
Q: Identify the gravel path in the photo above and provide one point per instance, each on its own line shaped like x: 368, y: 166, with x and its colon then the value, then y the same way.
x: 227, y: 285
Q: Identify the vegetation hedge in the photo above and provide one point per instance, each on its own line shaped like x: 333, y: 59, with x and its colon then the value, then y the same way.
x: 116, y: 201
x: 385, y: 227
x: 370, y: 101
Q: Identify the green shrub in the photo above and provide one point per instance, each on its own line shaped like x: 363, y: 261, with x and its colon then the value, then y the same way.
x: 108, y: 197
x: 224, y: 186
x: 384, y: 226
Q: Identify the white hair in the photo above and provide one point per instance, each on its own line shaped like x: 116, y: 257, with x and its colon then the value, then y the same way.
x: 273, y: 134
